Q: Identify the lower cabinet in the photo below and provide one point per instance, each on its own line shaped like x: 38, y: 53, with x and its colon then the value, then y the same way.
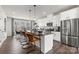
x: 57, y: 36
x: 74, y: 41
x: 70, y: 40
x: 63, y: 39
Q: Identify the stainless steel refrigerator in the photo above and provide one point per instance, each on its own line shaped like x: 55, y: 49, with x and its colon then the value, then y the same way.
x: 70, y: 32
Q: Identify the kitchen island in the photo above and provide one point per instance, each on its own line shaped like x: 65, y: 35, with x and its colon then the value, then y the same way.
x: 46, y: 42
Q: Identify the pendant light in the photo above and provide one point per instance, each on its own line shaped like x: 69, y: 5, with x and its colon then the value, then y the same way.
x: 30, y: 13
x: 34, y: 11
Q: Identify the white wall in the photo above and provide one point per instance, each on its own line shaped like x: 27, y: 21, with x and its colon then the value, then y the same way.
x: 1, y: 24
x: 2, y: 16
x: 9, y: 26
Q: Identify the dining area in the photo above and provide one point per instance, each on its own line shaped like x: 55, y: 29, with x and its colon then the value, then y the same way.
x: 28, y: 39
x: 20, y: 39
x: 32, y: 36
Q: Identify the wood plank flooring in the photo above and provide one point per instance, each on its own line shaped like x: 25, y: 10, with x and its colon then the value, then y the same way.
x: 13, y: 46
x: 59, y: 48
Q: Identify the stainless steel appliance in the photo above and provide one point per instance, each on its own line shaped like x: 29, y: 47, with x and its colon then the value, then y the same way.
x: 70, y: 32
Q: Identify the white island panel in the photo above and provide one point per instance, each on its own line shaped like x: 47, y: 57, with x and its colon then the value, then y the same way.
x: 46, y: 42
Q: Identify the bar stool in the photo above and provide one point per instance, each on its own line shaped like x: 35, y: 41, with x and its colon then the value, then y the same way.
x: 32, y: 38
x: 24, y: 40
x: 32, y: 41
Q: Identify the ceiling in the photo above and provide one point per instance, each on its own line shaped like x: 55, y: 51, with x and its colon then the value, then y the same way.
x: 29, y: 12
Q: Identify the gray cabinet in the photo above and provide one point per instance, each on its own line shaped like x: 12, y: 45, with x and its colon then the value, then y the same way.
x: 74, y: 41
x: 74, y: 27
x: 66, y: 27
x: 63, y: 39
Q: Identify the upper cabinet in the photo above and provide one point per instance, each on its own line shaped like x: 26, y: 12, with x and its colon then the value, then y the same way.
x: 69, y: 14
x: 56, y: 20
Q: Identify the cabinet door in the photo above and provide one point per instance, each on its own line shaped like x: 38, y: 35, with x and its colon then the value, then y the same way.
x: 69, y: 14
x: 74, y: 27
x: 74, y: 41
x: 72, y: 13
x: 63, y: 39
x: 65, y: 27
x: 57, y: 36
x: 62, y: 24
x: 56, y: 20
x: 69, y: 40
x: 62, y: 16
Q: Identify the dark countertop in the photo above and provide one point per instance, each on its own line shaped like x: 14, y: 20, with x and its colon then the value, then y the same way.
x: 43, y: 34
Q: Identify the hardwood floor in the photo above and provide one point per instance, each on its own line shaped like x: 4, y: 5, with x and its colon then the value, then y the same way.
x: 59, y: 48
x: 13, y: 46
